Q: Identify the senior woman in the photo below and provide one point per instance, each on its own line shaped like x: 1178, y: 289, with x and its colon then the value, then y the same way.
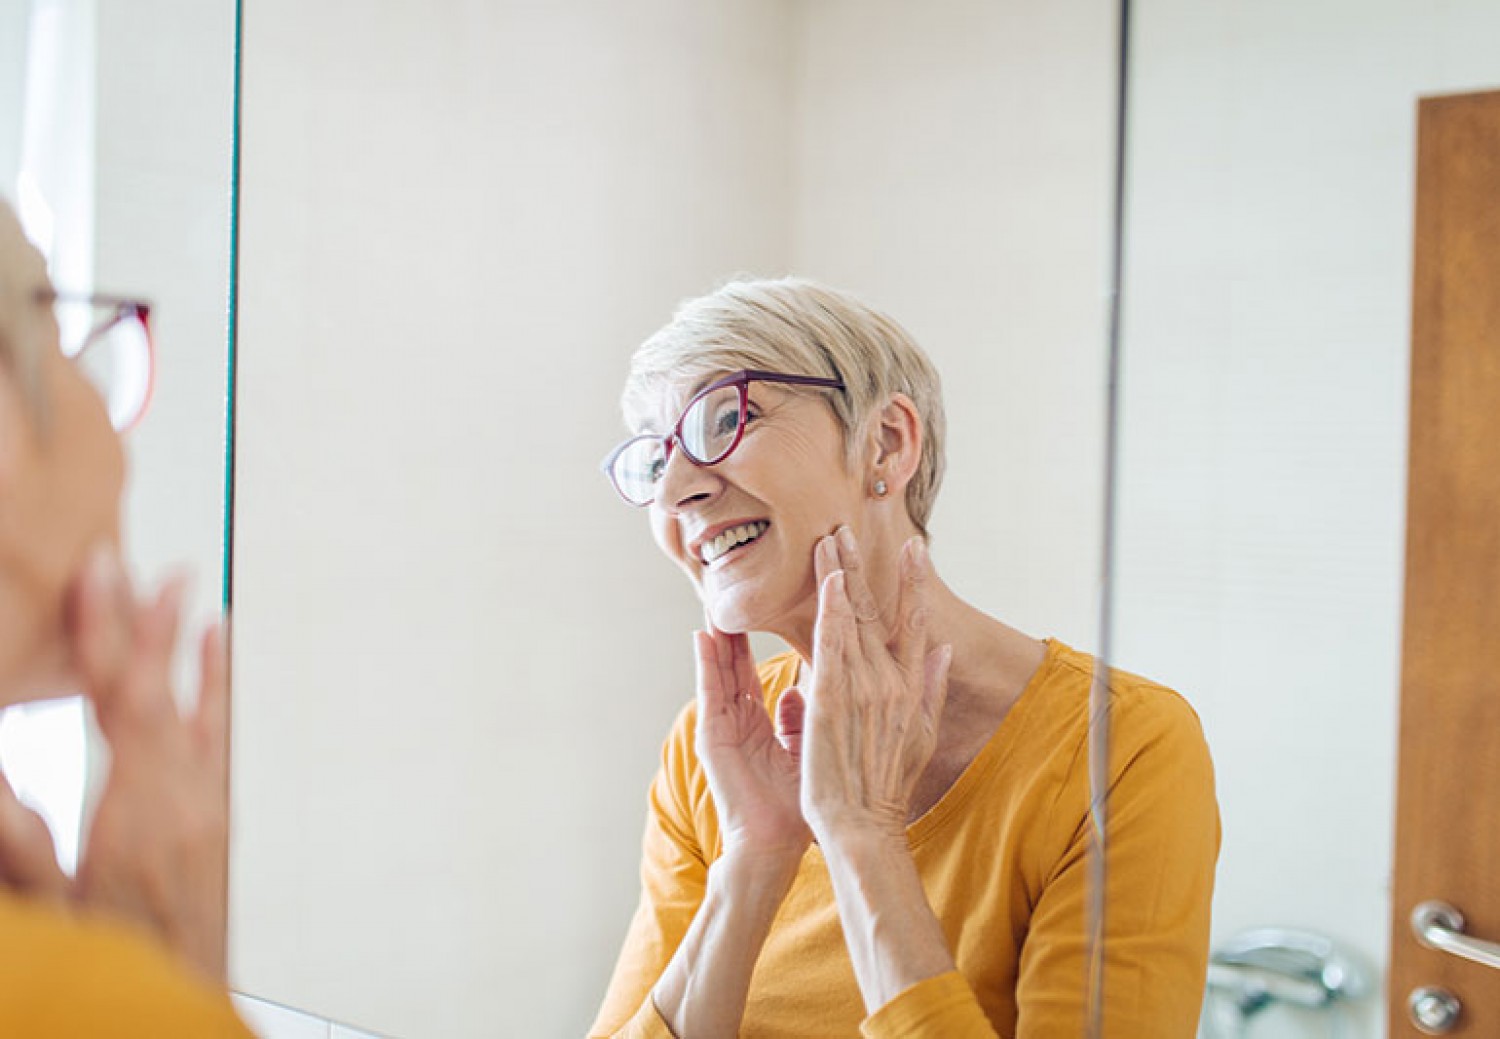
x: 134, y: 946
x: 883, y: 830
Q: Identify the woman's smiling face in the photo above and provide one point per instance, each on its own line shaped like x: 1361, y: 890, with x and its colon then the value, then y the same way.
x: 744, y: 530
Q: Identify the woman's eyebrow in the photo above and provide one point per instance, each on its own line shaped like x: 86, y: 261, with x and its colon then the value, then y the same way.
x: 675, y: 409
x: 46, y: 294
x: 703, y: 383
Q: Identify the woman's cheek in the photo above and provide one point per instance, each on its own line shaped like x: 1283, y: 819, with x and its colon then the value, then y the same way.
x: 668, y: 537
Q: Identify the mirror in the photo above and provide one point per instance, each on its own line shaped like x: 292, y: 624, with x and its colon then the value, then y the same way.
x: 457, y: 654
x: 1266, y: 345
x: 116, y: 132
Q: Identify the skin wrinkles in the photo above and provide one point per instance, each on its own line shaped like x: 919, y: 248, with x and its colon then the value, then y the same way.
x: 902, y: 682
x: 795, y: 434
x: 899, y: 684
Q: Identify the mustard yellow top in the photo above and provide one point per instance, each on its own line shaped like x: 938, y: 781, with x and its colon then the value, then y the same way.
x: 65, y: 975
x: 1003, y: 859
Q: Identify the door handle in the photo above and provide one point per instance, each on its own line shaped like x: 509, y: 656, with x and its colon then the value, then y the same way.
x: 1440, y: 926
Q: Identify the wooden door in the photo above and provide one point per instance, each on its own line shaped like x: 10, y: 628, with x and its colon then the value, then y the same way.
x: 1448, y: 774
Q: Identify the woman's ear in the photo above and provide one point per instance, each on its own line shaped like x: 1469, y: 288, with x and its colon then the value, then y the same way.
x: 896, y: 432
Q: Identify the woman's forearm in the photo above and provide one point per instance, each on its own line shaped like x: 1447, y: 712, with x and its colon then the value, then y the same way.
x: 894, y: 939
x: 702, y: 992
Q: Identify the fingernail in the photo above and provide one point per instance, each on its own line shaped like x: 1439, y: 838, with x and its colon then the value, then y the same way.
x: 823, y: 551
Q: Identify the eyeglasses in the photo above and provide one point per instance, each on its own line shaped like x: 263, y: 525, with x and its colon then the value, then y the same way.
x: 708, y: 430
x: 109, y: 339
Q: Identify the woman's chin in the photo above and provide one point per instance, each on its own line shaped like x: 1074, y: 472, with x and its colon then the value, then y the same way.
x: 732, y: 614
x: 729, y: 621
x: 777, y: 607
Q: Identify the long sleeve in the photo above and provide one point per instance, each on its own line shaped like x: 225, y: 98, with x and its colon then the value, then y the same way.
x: 1163, y: 842
x: 674, y: 874
x: 940, y: 1006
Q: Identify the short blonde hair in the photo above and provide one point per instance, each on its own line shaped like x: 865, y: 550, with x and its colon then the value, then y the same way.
x: 798, y: 327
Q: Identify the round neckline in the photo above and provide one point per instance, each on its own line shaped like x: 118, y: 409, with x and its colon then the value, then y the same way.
x: 991, y: 754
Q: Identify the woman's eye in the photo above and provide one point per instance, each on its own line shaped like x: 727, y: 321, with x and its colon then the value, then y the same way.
x: 728, y: 421
x: 656, y: 469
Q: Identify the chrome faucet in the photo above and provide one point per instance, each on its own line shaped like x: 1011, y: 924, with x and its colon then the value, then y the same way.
x: 1269, y: 965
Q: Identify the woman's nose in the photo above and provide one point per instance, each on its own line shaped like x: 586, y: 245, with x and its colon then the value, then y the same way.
x: 684, y: 483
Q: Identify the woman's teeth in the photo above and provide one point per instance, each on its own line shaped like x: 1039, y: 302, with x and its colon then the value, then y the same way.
x: 716, y: 547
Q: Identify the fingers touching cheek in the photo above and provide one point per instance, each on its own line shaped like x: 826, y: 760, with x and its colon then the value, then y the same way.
x: 101, y: 620
x: 825, y: 558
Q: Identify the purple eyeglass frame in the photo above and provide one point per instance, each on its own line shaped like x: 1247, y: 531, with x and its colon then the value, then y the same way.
x: 741, y: 379
x: 122, y: 309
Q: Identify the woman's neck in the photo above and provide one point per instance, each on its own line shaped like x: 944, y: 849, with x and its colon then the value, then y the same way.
x: 992, y: 662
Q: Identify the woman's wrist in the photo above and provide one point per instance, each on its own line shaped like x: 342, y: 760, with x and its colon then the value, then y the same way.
x: 865, y: 847
x: 859, y: 831
x: 703, y: 989
x: 762, y: 871
x: 894, y: 940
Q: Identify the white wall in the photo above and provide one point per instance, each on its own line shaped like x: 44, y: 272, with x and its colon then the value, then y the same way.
x: 164, y: 110
x: 456, y: 653
x: 1263, y: 489
x: 954, y: 163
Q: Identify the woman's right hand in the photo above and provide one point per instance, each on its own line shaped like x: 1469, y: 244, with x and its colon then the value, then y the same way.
x: 754, y: 772
x: 157, y: 850
x: 754, y: 778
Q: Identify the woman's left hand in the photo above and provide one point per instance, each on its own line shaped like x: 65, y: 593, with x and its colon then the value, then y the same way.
x: 876, y: 695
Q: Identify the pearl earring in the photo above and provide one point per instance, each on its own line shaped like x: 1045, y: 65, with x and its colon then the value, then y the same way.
x: 880, y: 488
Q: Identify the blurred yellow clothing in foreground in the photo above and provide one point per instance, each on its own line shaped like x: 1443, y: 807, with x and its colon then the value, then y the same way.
x: 64, y: 975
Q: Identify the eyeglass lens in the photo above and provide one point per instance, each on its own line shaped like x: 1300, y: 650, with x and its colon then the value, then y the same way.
x: 112, y: 347
x: 708, y: 432
x: 711, y: 424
